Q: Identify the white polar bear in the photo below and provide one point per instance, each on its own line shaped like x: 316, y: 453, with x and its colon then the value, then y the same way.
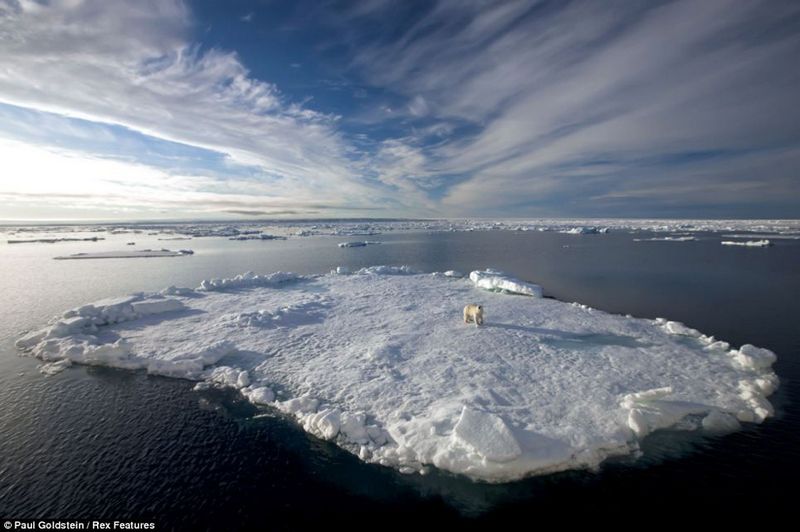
x: 473, y: 313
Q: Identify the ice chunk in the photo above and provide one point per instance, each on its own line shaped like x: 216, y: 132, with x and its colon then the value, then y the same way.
x: 497, y: 280
x: 55, y: 367
x: 324, y: 423
x: 353, y: 427
x: 752, y: 357
x: 299, y: 405
x: 649, y: 411
x: 717, y: 422
x: 679, y: 329
x: 487, y: 434
x: 175, y: 291
x: 230, y: 377
x: 261, y: 395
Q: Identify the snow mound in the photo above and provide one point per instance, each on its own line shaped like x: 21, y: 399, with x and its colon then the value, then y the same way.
x: 373, y: 363
x: 499, y: 281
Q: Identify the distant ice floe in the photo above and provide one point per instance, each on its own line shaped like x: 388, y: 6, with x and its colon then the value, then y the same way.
x: 144, y: 253
x: 762, y: 236
x: 53, y: 240
x: 666, y: 239
x: 357, y: 244
x: 583, y: 230
x: 379, y: 362
x: 748, y: 243
x: 260, y: 236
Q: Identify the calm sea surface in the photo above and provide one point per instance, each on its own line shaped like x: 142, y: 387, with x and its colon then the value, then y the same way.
x: 96, y: 443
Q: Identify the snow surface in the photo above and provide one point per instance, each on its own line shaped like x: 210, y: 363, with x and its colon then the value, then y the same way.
x: 379, y: 362
x: 748, y: 243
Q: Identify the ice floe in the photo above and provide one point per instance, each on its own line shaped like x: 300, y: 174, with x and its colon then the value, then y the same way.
x: 379, y: 362
x: 666, y: 239
x: 54, y: 240
x: 261, y: 236
x: 144, y: 253
x: 748, y: 243
x: 357, y: 244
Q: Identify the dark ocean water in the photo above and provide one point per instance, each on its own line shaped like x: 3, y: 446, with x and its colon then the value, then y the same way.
x: 96, y: 443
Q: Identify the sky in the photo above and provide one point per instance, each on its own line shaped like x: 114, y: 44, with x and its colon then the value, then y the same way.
x: 172, y: 109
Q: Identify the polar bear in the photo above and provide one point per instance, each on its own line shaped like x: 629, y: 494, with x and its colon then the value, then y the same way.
x: 473, y: 313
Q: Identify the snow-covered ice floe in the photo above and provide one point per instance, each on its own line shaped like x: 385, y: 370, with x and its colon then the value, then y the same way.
x: 379, y: 362
x: 748, y: 243
x: 144, y: 253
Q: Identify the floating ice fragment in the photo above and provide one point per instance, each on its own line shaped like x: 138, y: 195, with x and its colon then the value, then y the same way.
x: 497, y: 280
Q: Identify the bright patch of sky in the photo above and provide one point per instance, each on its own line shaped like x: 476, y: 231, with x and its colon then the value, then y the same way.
x: 199, y: 109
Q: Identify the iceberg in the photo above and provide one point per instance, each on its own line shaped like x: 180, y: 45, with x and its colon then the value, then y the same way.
x: 379, y: 362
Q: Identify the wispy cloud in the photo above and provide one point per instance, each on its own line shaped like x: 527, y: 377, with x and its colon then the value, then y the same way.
x: 134, y: 64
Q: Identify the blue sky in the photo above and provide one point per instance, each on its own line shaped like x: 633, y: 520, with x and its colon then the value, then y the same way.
x: 167, y: 109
